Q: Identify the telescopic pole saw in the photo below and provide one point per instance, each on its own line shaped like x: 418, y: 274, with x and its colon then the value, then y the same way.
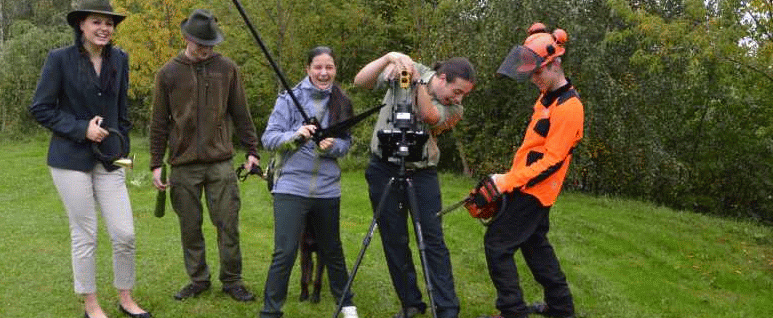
x: 319, y: 133
x: 306, y: 119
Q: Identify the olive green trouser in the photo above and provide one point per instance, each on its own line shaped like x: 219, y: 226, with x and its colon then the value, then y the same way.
x: 219, y: 184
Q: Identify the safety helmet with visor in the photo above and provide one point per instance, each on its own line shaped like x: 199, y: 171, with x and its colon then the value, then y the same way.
x: 538, y: 50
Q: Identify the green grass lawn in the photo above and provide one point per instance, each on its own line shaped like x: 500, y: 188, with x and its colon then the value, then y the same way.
x: 623, y: 258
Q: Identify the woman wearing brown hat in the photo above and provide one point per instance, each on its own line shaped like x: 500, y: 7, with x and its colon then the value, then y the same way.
x: 81, y: 98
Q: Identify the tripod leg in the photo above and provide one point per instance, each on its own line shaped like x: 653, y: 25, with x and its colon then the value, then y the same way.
x: 365, y: 243
x: 414, y: 208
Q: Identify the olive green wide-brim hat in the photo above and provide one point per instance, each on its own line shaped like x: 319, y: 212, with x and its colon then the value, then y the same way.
x: 201, y: 27
x: 93, y: 6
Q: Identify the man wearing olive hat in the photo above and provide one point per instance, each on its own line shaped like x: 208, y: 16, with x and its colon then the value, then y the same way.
x: 198, y: 95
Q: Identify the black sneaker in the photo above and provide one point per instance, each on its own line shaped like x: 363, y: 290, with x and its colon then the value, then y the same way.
x: 192, y: 290
x: 541, y: 308
x: 239, y: 293
x: 408, y: 312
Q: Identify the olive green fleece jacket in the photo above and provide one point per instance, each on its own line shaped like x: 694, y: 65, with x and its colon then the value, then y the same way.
x: 196, y: 107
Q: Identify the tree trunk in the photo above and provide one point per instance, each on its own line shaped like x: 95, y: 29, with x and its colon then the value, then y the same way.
x: 462, y: 155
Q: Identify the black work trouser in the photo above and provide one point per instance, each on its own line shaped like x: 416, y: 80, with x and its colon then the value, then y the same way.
x: 393, y: 228
x: 523, y: 224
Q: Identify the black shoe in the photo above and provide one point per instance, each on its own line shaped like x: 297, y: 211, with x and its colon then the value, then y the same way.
x: 239, y: 293
x: 541, y: 308
x: 408, y: 312
x: 141, y: 315
x: 192, y: 290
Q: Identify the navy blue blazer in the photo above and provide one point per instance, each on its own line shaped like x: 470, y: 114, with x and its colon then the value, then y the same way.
x: 70, y: 93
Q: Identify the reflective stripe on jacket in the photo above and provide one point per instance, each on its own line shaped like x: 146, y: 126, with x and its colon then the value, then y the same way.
x: 540, y: 164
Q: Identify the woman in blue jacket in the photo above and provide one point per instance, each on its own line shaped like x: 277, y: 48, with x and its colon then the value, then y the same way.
x: 81, y: 98
x: 306, y: 184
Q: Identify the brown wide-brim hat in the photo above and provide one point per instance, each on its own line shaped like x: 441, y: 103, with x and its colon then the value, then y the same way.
x: 201, y: 27
x: 93, y: 6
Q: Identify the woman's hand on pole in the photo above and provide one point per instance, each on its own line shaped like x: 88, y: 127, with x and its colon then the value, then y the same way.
x: 305, y: 131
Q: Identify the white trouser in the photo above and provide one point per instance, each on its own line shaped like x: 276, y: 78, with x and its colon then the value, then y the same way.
x: 80, y: 193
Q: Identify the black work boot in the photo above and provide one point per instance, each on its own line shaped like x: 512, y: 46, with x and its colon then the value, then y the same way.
x: 192, y: 290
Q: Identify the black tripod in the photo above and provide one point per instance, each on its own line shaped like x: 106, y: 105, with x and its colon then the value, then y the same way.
x: 405, y: 185
x: 405, y: 143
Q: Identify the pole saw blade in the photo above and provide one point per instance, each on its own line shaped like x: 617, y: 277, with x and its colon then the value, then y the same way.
x: 454, y: 206
x: 337, y: 129
x: 277, y: 70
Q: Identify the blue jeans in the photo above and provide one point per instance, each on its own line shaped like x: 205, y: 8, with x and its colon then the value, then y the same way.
x: 392, y: 221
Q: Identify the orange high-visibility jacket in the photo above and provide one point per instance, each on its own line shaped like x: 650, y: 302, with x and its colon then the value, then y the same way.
x: 540, y: 164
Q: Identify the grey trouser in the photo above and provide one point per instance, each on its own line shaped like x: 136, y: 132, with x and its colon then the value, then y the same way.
x: 290, y: 215
x: 218, y: 181
x: 80, y: 193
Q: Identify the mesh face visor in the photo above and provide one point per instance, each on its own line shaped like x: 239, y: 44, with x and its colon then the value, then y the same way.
x: 520, y: 64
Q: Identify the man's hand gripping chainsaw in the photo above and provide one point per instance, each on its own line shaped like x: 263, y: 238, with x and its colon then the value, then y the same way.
x: 482, y: 202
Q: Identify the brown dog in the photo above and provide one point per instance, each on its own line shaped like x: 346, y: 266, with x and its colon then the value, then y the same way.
x: 308, y: 269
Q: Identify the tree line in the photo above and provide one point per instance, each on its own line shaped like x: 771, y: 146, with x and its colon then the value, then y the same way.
x: 675, y: 92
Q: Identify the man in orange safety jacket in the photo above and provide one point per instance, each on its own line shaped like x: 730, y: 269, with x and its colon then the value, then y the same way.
x: 534, y: 181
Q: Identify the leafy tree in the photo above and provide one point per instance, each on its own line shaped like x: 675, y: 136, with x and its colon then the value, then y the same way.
x: 38, y: 12
x: 498, y: 110
x: 28, y: 30
x: 671, y: 100
x: 289, y: 28
x: 21, y: 58
x: 151, y: 35
x: 675, y: 92
x: 692, y: 125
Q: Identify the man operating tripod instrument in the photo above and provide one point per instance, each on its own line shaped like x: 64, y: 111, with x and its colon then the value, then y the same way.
x: 434, y: 96
x: 534, y: 181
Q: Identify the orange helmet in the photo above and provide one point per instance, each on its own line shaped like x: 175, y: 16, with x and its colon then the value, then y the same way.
x: 539, y: 49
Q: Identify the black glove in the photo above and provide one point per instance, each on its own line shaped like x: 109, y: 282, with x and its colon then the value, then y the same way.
x: 485, y: 193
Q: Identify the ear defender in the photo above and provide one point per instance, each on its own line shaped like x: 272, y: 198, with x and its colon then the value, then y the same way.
x: 552, y: 48
x: 537, y: 28
x: 560, y: 36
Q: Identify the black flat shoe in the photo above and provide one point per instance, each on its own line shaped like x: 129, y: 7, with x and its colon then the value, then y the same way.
x: 126, y: 312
